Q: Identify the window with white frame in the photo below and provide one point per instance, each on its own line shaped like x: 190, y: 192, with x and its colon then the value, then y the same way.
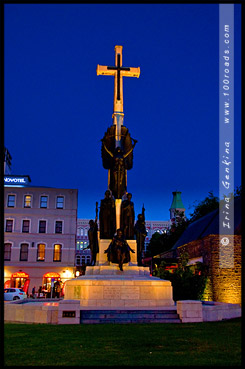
x: 58, y: 226
x: 11, y: 201
x: 7, y: 251
x: 41, y: 252
x: 24, y: 252
x: 26, y: 226
x: 42, y: 226
x: 44, y: 202
x: 27, y: 201
x: 60, y: 202
x: 9, y: 225
x: 57, y: 252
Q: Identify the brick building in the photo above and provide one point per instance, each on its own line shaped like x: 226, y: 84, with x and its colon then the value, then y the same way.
x: 201, y: 240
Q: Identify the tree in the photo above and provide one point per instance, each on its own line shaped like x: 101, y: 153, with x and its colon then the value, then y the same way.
x: 204, y: 207
x: 210, y: 203
x: 163, y: 242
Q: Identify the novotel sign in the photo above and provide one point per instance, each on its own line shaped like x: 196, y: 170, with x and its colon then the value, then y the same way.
x: 14, y: 180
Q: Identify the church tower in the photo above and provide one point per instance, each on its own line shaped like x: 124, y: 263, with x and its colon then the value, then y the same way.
x: 177, y: 204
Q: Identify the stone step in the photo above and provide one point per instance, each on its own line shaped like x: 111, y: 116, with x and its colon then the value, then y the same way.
x: 128, y: 316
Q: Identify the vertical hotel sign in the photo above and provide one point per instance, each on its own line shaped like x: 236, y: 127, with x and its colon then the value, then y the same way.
x: 226, y: 135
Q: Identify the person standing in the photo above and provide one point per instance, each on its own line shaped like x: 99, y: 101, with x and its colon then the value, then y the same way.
x: 140, y: 231
x: 33, y: 292
x: 107, y: 216
x: 93, y: 237
x: 127, y: 218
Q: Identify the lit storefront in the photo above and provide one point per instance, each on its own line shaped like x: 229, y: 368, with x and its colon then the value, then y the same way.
x: 18, y: 279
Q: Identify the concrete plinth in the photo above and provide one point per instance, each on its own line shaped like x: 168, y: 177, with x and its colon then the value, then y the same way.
x: 105, y: 285
x: 125, y: 290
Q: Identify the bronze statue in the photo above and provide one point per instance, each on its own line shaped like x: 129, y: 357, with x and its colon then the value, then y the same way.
x: 140, y: 231
x: 127, y: 218
x: 117, y: 159
x: 107, y: 217
x: 119, y: 250
x: 93, y: 237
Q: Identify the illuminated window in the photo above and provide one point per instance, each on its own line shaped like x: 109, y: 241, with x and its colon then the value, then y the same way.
x: 42, y: 226
x: 78, y: 245
x: 43, y: 201
x: 24, y: 252
x: 11, y: 201
x: 58, y: 226
x: 40, y: 252
x: 25, y: 226
x: 57, y: 253
x: 27, y: 201
x: 85, y: 244
x: 60, y: 202
x: 9, y: 225
x: 7, y: 251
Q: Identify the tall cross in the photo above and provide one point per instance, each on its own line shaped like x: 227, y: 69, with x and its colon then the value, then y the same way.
x: 118, y: 72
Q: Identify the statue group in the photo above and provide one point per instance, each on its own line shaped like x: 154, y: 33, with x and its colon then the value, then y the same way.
x: 118, y: 250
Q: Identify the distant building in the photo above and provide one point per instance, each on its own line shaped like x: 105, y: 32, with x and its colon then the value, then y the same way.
x: 176, y: 206
x: 39, y: 233
x: 83, y: 254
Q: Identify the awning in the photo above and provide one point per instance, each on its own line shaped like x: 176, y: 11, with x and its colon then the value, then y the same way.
x: 20, y: 275
x: 51, y: 275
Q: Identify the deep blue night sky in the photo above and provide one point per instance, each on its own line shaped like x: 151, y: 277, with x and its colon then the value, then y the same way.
x: 57, y: 109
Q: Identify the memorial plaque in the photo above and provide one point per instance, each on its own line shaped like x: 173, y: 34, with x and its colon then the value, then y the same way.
x: 111, y: 292
x: 69, y: 314
x: 130, y: 292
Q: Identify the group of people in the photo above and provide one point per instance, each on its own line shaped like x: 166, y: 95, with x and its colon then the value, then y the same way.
x: 118, y: 250
x: 55, y: 291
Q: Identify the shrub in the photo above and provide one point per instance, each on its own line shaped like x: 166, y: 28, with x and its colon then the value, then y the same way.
x: 188, y: 281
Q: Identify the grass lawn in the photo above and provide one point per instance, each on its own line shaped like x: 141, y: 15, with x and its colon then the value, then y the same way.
x: 212, y: 343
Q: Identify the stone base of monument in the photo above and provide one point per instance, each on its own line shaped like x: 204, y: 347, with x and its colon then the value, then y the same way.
x: 119, y: 290
x: 105, y: 285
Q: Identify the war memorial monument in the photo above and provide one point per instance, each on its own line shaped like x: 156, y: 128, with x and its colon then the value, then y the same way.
x: 116, y: 287
x: 117, y: 278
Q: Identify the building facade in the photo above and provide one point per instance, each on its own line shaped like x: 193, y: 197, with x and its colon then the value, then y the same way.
x: 40, y: 226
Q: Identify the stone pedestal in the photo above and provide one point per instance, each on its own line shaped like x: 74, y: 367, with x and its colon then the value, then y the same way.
x: 105, y: 285
x: 125, y: 290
